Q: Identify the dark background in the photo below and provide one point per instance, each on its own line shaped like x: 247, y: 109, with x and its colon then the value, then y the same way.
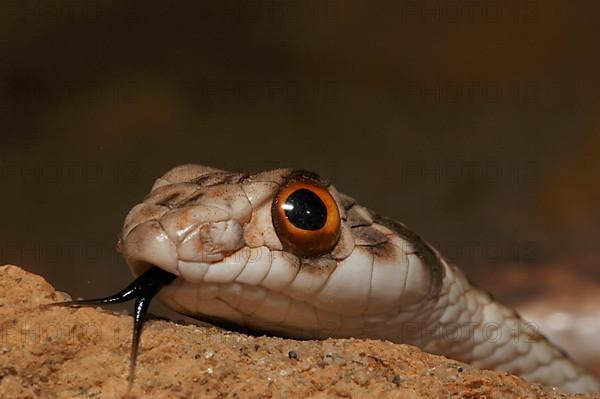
x: 475, y: 123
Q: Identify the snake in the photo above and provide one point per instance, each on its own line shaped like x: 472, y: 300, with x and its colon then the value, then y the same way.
x: 282, y: 252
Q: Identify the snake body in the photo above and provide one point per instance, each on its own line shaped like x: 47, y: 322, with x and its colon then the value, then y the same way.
x: 215, y: 231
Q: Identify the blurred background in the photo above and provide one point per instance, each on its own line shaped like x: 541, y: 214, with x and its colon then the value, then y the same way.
x: 475, y: 123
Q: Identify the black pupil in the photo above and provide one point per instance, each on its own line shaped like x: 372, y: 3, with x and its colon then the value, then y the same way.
x: 305, y: 210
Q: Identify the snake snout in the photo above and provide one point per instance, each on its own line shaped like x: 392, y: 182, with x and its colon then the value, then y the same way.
x: 198, y: 234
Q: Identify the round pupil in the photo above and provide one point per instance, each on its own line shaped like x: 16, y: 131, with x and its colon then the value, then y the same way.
x: 305, y: 210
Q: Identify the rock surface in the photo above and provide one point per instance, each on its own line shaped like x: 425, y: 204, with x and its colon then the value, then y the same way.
x: 64, y: 353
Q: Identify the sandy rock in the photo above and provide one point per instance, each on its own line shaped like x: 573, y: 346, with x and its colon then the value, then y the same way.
x: 65, y: 353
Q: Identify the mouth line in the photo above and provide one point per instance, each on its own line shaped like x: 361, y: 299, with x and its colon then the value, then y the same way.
x: 142, y: 290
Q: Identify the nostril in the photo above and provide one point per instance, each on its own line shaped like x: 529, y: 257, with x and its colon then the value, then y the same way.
x: 232, y: 237
x: 211, y: 242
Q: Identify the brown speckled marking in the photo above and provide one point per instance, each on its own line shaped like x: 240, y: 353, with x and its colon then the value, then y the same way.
x: 387, y: 252
x: 322, y: 265
x: 305, y: 174
x: 194, y: 198
x: 168, y: 200
x: 422, y: 249
x: 355, y: 219
x: 218, y: 178
x: 161, y: 196
x: 368, y: 236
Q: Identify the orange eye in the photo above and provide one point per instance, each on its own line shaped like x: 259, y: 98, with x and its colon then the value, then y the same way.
x: 306, y: 218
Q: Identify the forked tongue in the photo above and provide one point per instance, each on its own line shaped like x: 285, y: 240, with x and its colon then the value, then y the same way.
x: 142, y: 289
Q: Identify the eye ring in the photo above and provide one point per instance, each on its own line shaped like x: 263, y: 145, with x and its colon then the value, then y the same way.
x: 306, y: 218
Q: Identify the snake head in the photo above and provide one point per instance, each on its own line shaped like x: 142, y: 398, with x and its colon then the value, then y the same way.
x: 200, y: 223
x: 279, y: 251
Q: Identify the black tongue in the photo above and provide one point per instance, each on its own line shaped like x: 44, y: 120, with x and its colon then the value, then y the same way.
x: 142, y: 289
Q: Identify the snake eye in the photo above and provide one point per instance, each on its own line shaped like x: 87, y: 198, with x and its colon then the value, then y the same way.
x: 306, y: 218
